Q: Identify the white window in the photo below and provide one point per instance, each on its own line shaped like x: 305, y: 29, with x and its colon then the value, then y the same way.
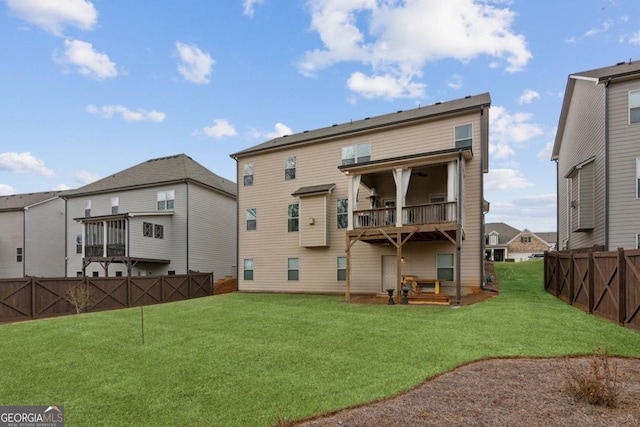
x: 445, y: 267
x: 293, y: 218
x: 252, y: 218
x: 290, y: 167
x: 637, y: 241
x: 463, y: 135
x: 634, y: 107
x: 343, y: 213
x: 166, y: 200
x: 247, y: 173
x: 87, y: 208
x: 358, y: 153
x: 638, y: 178
x: 115, y: 201
x: 493, y: 239
x: 293, y: 272
x: 248, y: 269
x: 342, y: 268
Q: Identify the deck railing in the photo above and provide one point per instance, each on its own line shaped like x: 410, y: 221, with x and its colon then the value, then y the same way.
x: 431, y: 213
x: 113, y: 249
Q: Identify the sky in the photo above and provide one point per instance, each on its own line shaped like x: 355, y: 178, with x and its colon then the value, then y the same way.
x: 91, y: 87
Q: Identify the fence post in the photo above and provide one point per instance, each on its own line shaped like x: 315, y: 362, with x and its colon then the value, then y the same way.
x: 622, y: 287
x: 128, y: 290
x: 592, y: 283
x: 571, y: 277
x: 556, y: 280
x: 33, y: 297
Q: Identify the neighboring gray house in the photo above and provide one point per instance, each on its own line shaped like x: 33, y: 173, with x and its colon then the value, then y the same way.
x: 597, y: 151
x: 169, y: 215
x: 32, y: 235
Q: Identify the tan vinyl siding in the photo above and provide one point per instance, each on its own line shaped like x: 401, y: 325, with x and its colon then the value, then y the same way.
x: 313, y: 221
x: 624, y: 148
x: 583, y: 139
x: 317, y: 164
x: 11, y: 226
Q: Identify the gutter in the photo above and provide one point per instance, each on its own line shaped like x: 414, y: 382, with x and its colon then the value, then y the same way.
x: 606, y: 164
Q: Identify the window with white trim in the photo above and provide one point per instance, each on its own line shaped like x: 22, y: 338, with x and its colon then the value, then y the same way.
x: 293, y: 218
x: 637, y: 241
x: 638, y: 178
x: 445, y: 267
x: 158, y: 231
x: 358, y: 153
x: 290, y: 167
x: 87, y: 208
x: 247, y: 174
x: 634, y: 107
x: 341, y: 268
x: 115, y: 201
x: 293, y: 269
x: 18, y: 254
x: 252, y: 218
x: 166, y: 200
x: 463, y: 136
x: 343, y: 213
x: 248, y: 269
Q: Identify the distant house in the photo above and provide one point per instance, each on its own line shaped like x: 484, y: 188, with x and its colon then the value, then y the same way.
x: 504, y: 242
x: 598, y: 159
x: 169, y: 215
x: 356, y: 207
x: 32, y: 235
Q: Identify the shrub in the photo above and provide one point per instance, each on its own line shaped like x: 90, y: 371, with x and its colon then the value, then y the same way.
x: 595, y: 383
x: 80, y: 295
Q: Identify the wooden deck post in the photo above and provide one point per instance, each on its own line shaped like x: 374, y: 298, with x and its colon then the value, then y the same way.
x: 348, y: 284
x: 398, y: 267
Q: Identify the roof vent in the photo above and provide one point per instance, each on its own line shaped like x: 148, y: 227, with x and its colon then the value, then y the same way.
x: 621, y: 63
x: 333, y: 126
x: 467, y: 97
x: 305, y: 131
x: 284, y: 136
x: 399, y: 111
x: 438, y: 103
x: 367, y: 118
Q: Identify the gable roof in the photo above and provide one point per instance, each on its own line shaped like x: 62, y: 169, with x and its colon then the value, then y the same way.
x: 505, y: 232
x: 619, y: 71
x: 160, y: 171
x: 17, y: 202
x: 371, y: 123
x: 549, y: 237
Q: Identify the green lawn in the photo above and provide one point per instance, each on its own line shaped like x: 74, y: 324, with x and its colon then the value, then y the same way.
x: 249, y: 359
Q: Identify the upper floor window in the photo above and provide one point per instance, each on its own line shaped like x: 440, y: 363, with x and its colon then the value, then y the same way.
x: 247, y: 174
x: 166, y: 200
x: 147, y: 229
x: 290, y: 167
x: 115, y: 201
x: 18, y: 254
x: 293, y: 217
x: 493, y: 239
x: 343, y: 213
x: 637, y: 241
x: 526, y: 239
x: 638, y: 177
x: 463, y: 135
x: 158, y: 231
x: 252, y: 218
x: 356, y: 153
x: 342, y: 268
x: 634, y: 106
x: 79, y: 243
x: 87, y: 208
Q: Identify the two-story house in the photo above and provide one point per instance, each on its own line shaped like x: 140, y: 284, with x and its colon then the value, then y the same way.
x: 597, y: 151
x: 32, y: 235
x: 355, y: 207
x: 504, y: 242
x: 169, y: 215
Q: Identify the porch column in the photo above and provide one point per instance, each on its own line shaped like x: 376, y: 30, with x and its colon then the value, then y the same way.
x: 452, y: 170
x: 402, y: 178
x: 353, y: 185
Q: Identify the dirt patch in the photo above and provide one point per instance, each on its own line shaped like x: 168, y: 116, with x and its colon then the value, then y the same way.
x: 499, y: 392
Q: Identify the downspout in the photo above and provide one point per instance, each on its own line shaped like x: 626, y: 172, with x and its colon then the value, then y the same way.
x: 66, y: 241
x: 24, y: 242
x: 606, y: 164
x: 128, y: 246
x: 482, y: 214
x: 459, y: 230
x: 187, y: 241
x: 237, y: 225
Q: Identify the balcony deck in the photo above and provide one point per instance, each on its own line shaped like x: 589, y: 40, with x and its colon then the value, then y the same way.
x: 426, y: 222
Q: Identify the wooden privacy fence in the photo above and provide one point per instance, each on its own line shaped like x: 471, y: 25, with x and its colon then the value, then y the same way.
x: 606, y: 284
x: 39, y: 297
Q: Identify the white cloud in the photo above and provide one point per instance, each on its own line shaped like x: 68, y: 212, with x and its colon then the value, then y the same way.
x: 6, y: 190
x: 511, y: 128
x: 280, y: 129
x: 594, y: 31
x: 23, y: 163
x: 455, y: 81
x: 61, y: 187
x: 220, y: 129
x: 384, y: 86
x: 249, y: 5
x: 90, y: 63
x: 505, y: 179
x: 528, y: 96
x: 54, y: 15
x: 545, y: 154
x: 85, y: 177
x: 501, y: 151
x: 107, y: 111
x: 399, y: 38
x: 634, y: 39
x: 195, y: 65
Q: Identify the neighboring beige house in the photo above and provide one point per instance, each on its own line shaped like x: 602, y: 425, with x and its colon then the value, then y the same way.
x: 504, y: 242
x: 598, y: 159
x: 32, y: 235
x: 352, y: 208
x: 169, y: 215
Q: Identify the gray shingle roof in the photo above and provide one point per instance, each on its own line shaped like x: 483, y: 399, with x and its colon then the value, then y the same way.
x: 163, y: 170
x: 370, y: 123
x: 621, y: 69
x: 20, y: 201
x: 505, y: 232
x: 548, y: 236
